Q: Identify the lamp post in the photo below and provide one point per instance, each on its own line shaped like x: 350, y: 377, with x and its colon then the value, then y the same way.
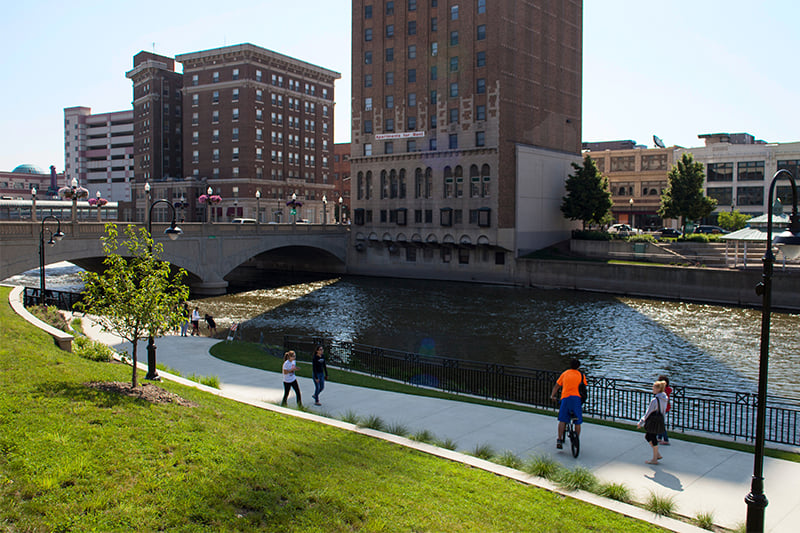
x: 789, y: 242
x: 147, y: 193
x: 258, y: 206
x: 54, y: 237
x: 74, y: 185
x: 294, y: 208
x: 341, y: 213
x: 324, y: 210
x: 173, y: 231
x: 630, y: 213
x: 33, y: 204
x: 98, y: 196
x: 209, y: 192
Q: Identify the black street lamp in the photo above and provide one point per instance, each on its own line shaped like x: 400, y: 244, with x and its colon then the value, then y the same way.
x: 258, y: 206
x: 173, y: 231
x: 341, y: 200
x: 324, y: 210
x: 54, y: 237
x: 630, y: 215
x: 789, y: 244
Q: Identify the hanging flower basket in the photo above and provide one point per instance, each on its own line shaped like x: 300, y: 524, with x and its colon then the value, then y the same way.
x: 99, y: 202
x: 77, y: 193
x: 295, y: 203
x: 214, y: 199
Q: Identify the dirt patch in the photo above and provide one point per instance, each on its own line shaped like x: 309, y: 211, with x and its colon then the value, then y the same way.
x: 147, y: 391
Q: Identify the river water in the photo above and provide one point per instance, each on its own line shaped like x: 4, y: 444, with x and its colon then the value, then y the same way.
x: 629, y: 338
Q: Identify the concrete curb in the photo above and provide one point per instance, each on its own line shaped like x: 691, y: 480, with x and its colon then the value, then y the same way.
x: 62, y: 339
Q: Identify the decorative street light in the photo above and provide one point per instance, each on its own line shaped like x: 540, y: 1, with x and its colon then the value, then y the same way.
x: 324, y: 210
x: 630, y: 215
x: 147, y: 192
x: 341, y: 200
x: 173, y: 231
x: 209, y: 192
x: 54, y: 237
x: 295, y: 204
x: 258, y: 206
x: 789, y: 244
x: 33, y: 204
x: 98, y: 196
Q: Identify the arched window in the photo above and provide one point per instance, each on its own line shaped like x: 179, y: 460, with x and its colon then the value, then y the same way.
x: 448, y: 183
x: 393, y: 183
x: 459, y: 175
x: 369, y: 185
x: 428, y: 182
x: 486, y: 181
x: 402, y: 183
x: 384, y: 185
x: 418, y: 183
x: 360, y: 186
x: 474, y: 182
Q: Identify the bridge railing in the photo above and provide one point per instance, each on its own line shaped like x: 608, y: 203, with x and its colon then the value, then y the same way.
x: 63, y: 300
x: 721, y: 412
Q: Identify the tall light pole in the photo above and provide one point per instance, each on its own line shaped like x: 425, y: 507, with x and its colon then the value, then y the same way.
x: 324, y: 210
x: 341, y: 213
x: 630, y: 213
x: 258, y: 206
x: 789, y: 243
x: 173, y: 231
x: 147, y: 193
x: 98, y: 196
x: 209, y: 192
x: 54, y: 237
x: 74, y: 184
x: 33, y: 204
x: 294, y: 208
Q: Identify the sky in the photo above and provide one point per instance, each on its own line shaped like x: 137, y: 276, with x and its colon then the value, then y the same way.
x: 675, y: 69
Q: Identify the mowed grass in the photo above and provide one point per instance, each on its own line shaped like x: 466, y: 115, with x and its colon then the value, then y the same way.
x: 76, y: 459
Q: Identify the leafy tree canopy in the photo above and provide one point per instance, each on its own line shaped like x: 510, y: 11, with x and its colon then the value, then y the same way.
x: 588, y: 197
x: 684, y: 196
x: 732, y: 220
x: 136, y: 296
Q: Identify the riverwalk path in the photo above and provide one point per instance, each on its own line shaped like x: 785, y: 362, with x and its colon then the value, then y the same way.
x: 700, y: 478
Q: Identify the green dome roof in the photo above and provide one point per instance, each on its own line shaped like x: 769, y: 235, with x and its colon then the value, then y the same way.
x: 29, y: 169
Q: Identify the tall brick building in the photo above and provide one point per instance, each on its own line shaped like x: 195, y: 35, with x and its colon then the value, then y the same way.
x: 466, y: 115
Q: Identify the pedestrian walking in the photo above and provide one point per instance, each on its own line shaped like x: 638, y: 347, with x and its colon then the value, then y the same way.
x: 196, y: 321
x: 212, y: 326
x: 663, y: 438
x: 185, y: 322
x: 289, y: 378
x: 653, y: 419
x: 319, y: 371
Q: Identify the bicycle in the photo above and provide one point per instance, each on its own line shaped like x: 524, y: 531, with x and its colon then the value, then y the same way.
x: 574, y: 438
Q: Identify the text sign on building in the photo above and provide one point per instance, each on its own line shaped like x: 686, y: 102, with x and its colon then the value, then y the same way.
x: 402, y: 135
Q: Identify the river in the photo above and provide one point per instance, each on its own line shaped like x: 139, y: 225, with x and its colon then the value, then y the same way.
x: 630, y: 338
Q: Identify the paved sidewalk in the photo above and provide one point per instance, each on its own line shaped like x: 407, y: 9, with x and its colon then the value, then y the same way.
x: 700, y: 478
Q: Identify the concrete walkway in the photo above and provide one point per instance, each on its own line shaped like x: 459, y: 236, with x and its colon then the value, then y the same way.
x: 700, y: 478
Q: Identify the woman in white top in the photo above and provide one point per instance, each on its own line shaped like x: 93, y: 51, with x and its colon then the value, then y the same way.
x: 658, y: 403
x: 289, y: 379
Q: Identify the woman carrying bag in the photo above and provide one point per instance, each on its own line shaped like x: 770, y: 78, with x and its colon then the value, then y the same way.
x: 653, y: 419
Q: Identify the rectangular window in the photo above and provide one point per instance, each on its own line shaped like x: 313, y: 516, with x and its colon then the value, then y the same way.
x: 215, y: 77
x: 454, y: 12
x: 368, y: 12
x: 434, y: 49
x: 259, y: 75
x: 412, y: 75
x: 433, y: 72
x: 453, y: 38
x: 481, y: 32
x: 412, y: 5
x: 390, y: 30
x: 215, y: 97
x: 215, y: 116
x: 389, y: 124
x: 434, y: 24
x: 454, y: 64
x: 723, y: 195
x: 368, y: 34
x: 389, y: 101
x: 433, y: 121
x: 750, y: 170
x: 367, y: 58
x: 480, y: 112
x: 367, y: 126
x: 716, y: 172
x: 412, y: 124
x: 368, y: 104
x: 259, y: 95
x: 236, y: 74
x: 453, y: 141
x: 480, y: 138
x: 412, y: 27
x: 368, y: 149
x: 388, y: 147
x: 215, y: 136
x: 463, y: 256
x: 481, y: 86
x: 235, y: 156
x: 412, y: 51
x: 750, y: 196
x: 453, y: 116
x: 235, y: 96
x: 433, y: 96
x: 480, y: 59
x: 412, y: 99
x: 432, y: 144
x: 389, y: 55
x: 481, y: 6
x: 390, y: 78
x: 446, y: 216
x: 411, y: 146
x: 195, y: 79
x: 390, y: 8
x: 368, y: 80
x: 215, y: 155
x: 454, y: 90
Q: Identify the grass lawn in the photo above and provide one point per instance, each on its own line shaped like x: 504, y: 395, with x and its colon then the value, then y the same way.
x: 73, y: 458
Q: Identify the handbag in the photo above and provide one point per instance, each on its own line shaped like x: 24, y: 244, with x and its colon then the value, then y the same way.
x: 654, y: 423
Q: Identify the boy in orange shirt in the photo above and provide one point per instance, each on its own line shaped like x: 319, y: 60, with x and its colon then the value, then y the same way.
x: 569, y: 382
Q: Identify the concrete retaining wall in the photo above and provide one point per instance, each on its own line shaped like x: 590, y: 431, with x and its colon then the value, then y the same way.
x: 62, y: 339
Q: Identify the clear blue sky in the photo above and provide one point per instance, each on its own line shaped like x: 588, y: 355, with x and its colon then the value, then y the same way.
x: 674, y: 68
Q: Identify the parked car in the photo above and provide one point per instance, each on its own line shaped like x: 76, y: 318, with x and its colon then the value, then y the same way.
x: 669, y: 232
x: 624, y: 230
x: 710, y: 229
x: 243, y: 221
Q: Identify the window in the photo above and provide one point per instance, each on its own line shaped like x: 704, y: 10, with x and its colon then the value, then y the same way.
x: 454, y: 64
x: 750, y: 170
x: 481, y: 32
x: 389, y: 124
x: 412, y: 5
x: 412, y: 27
x: 481, y: 6
x: 368, y: 12
x: 434, y: 24
x: 486, y: 181
x: 454, y: 12
x: 389, y: 101
x: 446, y: 216
x: 454, y: 90
x: 453, y: 38
x: 480, y: 112
x: 215, y: 77
x: 459, y: 175
x: 412, y: 75
x: 433, y: 96
x: 368, y: 80
x: 215, y: 155
x: 215, y: 116
x: 259, y: 134
x: 452, y: 141
x: 259, y: 115
x: 259, y: 95
x: 412, y: 99
x: 433, y: 121
x: 433, y: 73
x: 195, y: 156
x: 368, y: 104
x: 390, y: 8
x: 719, y: 172
x: 390, y: 30
x: 368, y: 34
x: 463, y: 256
x: 412, y: 51
x: 480, y: 59
x: 411, y: 146
x: 195, y: 99
x: 723, y: 195
x: 412, y: 124
x: 368, y: 58
x: 390, y: 78
x: 480, y: 138
x: 235, y: 154
x: 235, y: 96
x: 750, y: 196
x: 195, y: 79
x: 389, y: 55
x: 235, y: 74
x: 432, y: 144
x: 388, y: 147
x: 259, y: 154
x: 434, y: 49
x: 481, y: 86
x: 215, y: 136
x: 215, y: 97
x: 367, y: 126
x: 195, y: 119
x: 453, y: 118
x: 259, y: 75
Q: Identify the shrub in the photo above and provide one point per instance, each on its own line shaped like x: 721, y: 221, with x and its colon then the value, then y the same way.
x: 642, y: 238
x: 660, y: 505
x: 694, y: 237
x: 92, y: 350
x: 543, y: 466
x: 50, y: 315
x: 579, y: 479
x: 615, y: 491
x: 590, y: 235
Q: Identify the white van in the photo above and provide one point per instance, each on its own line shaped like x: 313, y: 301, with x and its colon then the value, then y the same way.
x: 243, y: 221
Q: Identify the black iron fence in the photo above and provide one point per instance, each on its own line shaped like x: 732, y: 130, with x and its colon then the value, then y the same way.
x: 60, y: 299
x: 720, y: 412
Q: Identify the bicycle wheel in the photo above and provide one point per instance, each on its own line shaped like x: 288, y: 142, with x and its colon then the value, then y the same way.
x: 575, y: 443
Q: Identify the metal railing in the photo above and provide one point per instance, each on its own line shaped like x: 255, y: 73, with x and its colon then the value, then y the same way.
x: 60, y: 299
x: 719, y: 412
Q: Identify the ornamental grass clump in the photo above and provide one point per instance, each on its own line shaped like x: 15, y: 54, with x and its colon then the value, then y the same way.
x: 579, y: 479
x: 483, y: 451
x: 615, y: 491
x: 543, y: 466
x: 660, y: 505
x: 704, y: 521
x: 509, y: 459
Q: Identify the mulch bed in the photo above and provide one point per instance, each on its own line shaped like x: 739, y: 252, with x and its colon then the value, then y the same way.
x: 147, y: 391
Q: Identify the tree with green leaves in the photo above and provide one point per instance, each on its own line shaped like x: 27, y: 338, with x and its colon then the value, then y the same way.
x: 732, y: 220
x: 137, y: 295
x: 588, y: 197
x: 684, y: 197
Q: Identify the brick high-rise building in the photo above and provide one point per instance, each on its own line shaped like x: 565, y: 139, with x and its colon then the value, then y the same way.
x: 255, y: 120
x: 341, y: 176
x: 466, y: 116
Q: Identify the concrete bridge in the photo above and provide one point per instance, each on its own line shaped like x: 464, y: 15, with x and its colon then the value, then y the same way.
x: 212, y: 254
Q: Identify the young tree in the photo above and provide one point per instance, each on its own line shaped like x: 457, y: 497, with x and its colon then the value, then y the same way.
x: 732, y: 220
x: 136, y: 296
x: 588, y: 197
x: 684, y: 198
